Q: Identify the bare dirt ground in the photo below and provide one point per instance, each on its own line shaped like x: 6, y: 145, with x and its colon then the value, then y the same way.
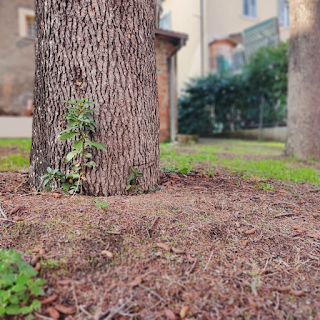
x: 200, y: 248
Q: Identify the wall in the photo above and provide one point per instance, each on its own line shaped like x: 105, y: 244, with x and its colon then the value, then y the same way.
x: 221, y: 18
x: 163, y: 50
x: 16, y: 59
x: 268, y: 134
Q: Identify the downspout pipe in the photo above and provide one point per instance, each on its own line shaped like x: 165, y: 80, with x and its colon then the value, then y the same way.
x: 172, y: 94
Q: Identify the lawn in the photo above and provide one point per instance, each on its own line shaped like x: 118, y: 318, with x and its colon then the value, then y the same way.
x: 247, y: 158
x: 233, y: 235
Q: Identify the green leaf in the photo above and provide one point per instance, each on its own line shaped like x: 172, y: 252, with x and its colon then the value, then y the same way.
x: 14, y: 299
x: 18, y: 288
x: 13, y: 309
x: 89, y: 155
x: 68, y: 135
x: 71, y: 155
x: 37, y: 290
x: 130, y: 177
x: 78, y: 145
x: 139, y: 174
x: 90, y: 164
x: 73, y: 109
x: 22, y: 279
x: 49, y: 170
x: 73, y: 102
x: 99, y: 145
x: 128, y: 187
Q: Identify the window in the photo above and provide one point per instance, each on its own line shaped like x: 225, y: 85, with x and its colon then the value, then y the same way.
x: 27, y: 26
x: 283, y: 13
x: 249, y: 8
x: 165, y: 21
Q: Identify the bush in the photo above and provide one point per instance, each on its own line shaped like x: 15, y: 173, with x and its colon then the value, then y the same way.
x: 232, y: 101
x: 17, y: 285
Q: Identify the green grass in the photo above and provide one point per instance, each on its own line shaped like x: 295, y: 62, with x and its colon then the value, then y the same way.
x: 189, y: 158
x: 22, y: 144
x: 231, y: 154
x: 19, y: 159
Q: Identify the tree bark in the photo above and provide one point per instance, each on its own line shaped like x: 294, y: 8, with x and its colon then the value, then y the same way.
x: 304, y: 80
x: 103, y: 50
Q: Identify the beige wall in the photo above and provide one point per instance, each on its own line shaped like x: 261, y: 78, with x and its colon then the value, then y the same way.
x: 221, y: 17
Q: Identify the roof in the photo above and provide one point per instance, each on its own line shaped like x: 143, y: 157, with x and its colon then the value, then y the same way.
x: 171, y: 36
x: 235, y: 38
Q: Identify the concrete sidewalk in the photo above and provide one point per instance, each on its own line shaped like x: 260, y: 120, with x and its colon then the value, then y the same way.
x: 15, y: 127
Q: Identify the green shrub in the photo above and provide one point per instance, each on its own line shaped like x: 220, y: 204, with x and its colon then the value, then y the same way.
x: 229, y: 101
x: 17, y: 284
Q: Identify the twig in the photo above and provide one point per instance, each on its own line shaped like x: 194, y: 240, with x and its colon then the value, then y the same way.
x: 1, y: 219
x: 113, y: 232
x: 152, y: 225
x: 287, y: 203
x: 285, y: 215
x: 16, y: 189
x: 192, y: 267
x: 82, y: 309
x: 205, y: 268
x: 42, y: 317
x: 1, y: 211
x: 110, y: 314
x: 151, y: 291
x: 75, y: 297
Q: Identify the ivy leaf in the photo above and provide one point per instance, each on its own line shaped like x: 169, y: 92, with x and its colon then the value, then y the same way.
x: 130, y: 177
x: 68, y: 135
x: 128, y: 187
x: 99, y: 145
x: 13, y: 309
x: 78, y: 145
x: 71, y: 155
x: 90, y: 164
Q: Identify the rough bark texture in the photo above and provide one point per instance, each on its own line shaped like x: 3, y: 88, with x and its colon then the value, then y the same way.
x: 304, y: 80
x: 104, y: 50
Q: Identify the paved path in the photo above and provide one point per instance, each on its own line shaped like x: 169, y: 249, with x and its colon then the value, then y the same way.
x: 15, y: 127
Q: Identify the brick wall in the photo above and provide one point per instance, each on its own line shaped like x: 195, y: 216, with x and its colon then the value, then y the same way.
x: 16, y: 59
x: 163, y: 51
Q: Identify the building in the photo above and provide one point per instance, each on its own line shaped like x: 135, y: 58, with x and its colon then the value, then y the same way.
x: 222, y: 20
x: 17, y: 65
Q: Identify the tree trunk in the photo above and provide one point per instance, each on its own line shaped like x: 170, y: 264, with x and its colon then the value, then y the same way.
x: 304, y: 80
x: 103, y: 50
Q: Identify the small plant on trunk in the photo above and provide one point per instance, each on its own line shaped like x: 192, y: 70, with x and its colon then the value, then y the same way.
x: 133, y: 181
x: 80, y: 124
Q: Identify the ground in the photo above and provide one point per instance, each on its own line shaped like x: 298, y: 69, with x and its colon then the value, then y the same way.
x: 219, y: 239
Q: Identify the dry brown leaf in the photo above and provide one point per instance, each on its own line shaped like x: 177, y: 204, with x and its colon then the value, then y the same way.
x: 136, y: 281
x: 253, y: 303
x: 170, y: 315
x: 198, y: 188
x: 35, y: 260
x: 178, y: 251
x: 313, y: 235
x: 78, y: 83
x: 190, y: 258
x: 50, y: 299
x: 64, y: 309
x: 283, y: 289
x: 184, y: 311
x: 37, y: 267
x: 282, y: 191
x: 298, y: 293
x: 158, y: 253
x: 163, y: 246
x: 64, y: 282
x: 244, y: 243
x: 299, y: 229
x: 53, y: 313
x: 251, y: 231
x: 57, y: 195
x: 16, y: 209
x: 17, y: 218
x: 107, y: 253
x: 42, y: 252
x: 238, y: 224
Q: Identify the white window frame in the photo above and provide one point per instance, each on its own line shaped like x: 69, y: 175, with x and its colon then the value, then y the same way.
x: 24, y: 15
x: 252, y: 8
x: 165, y: 21
x: 284, y: 13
